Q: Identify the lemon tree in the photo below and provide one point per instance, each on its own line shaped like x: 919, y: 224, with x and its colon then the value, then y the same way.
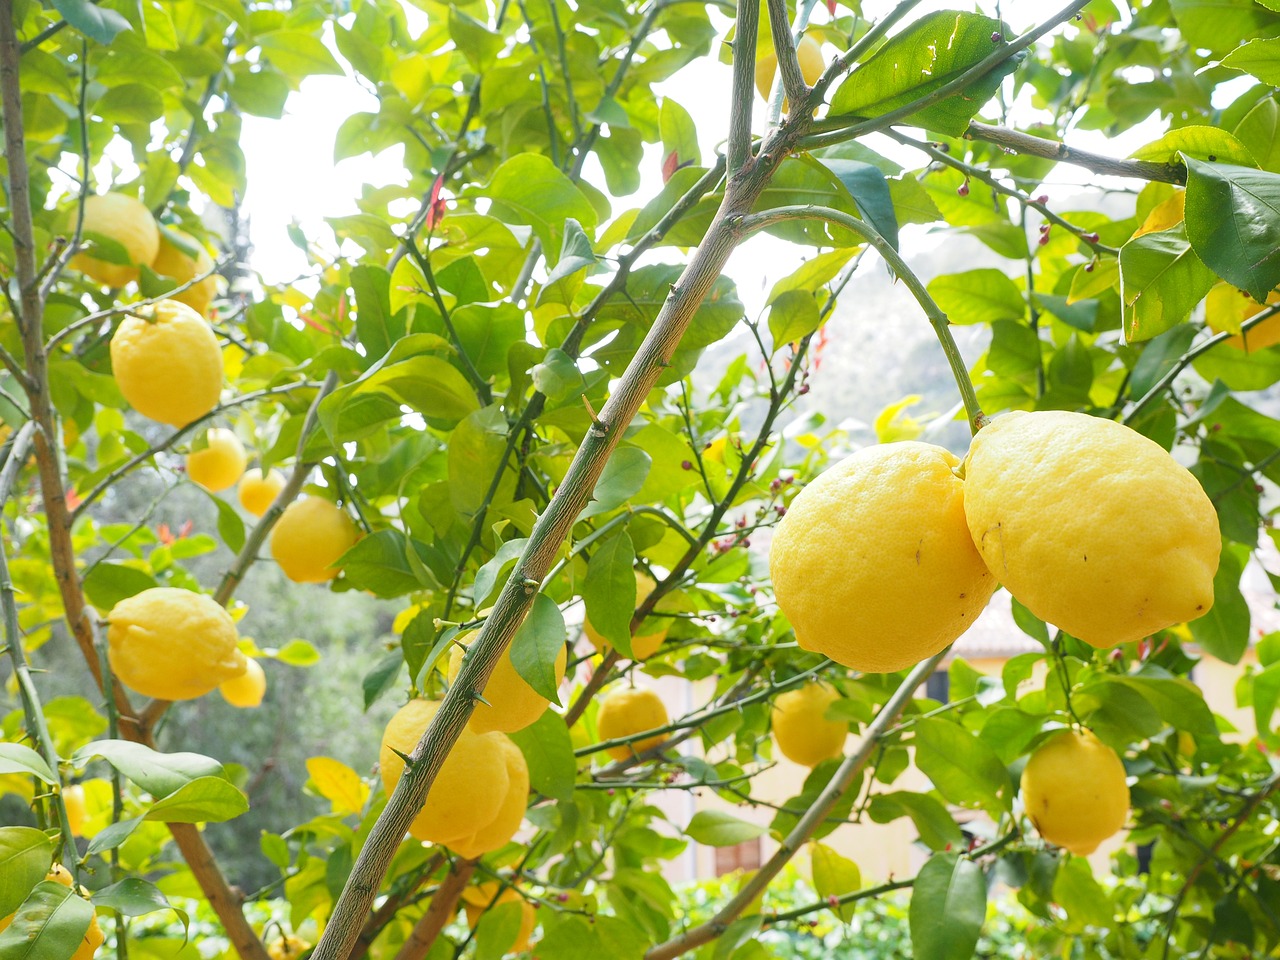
x: 584, y: 465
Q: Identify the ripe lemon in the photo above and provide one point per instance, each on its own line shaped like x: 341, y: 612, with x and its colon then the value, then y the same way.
x: 512, y: 704
x: 93, y: 937
x: 73, y: 801
x: 476, y: 900
x: 257, y: 492
x: 799, y: 721
x: 172, y: 262
x: 168, y: 366
x: 808, y: 52
x: 172, y: 644
x: 510, y: 815
x: 248, y: 689
x: 873, y: 564
x: 643, y: 645
x: 310, y: 536
x: 1225, y: 308
x: 627, y: 711
x: 1074, y: 791
x: 470, y: 795
x: 129, y: 223
x: 1090, y: 525
x: 287, y: 948
x: 218, y: 465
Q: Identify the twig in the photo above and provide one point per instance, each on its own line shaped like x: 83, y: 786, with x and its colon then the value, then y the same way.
x: 442, y: 909
x: 744, y: 66
x: 1028, y: 145
x: 784, y: 46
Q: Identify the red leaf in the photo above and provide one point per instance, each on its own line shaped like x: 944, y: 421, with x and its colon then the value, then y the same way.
x: 670, y: 166
x: 831, y: 7
x: 436, y: 206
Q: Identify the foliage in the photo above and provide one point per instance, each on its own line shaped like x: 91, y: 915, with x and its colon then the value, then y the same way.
x: 502, y: 375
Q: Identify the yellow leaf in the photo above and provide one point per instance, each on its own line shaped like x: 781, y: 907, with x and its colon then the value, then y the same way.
x: 338, y: 784
x: 1168, y: 214
x: 894, y: 423
x: 405, y: 616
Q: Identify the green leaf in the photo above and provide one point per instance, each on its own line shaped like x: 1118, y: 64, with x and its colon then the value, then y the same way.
x: 1224, y: 630
x: 498, y: 929
x: 112, y: 835
x: 375, y: 326
x: 380, y: 564
x: 1203, y: 143
x: 298, y: 53
x: 478, y: 43
x: 130, y: 103
x: 261, y: 93
x: 203, y: 800
x: 487, y: 576
x: 530, y: 189
x: 430, y: 385
x: 715, y: 828
x: 230, y: 524
x: 623, y: 477
x: 948, y: 908
x: 381, y: 678
x: 548, y: 751
x: 1266, y: 694
x: 51, y: 923
x: 1219, y: 25
x: 870, y: 191
x: 937, y: 828
x: 298, y: 653
x: 576, y: 254
x: 537, y: 645
x: 931, y: 52
x: 1233, y: 223
x: 965, y: 770
x: 678, y: 132
x: 25, y: 854
x: 135, y: 897
x: 19, y: 758
x: 1161, y: 279
x: 95, y: 22
x: 834, y: 876
x: 609, y: 590
x: 793, y: 316
x: 160, y: 774
x: 557, y: 376
x: 109, y: 582
x: 1258, y: 57
x: 1259, y: 131
x: 978, y: 296
x: 814, y: 273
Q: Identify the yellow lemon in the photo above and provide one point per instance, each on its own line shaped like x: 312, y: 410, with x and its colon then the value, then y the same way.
x: 248, y: 689
x: 510, y: 815
x: 287, y: 948
x: 73, y: 801
x: 129, y: 223
x: 1225, y: 308
x: 1090, y: 525
x: 470, y: 793
x: 476, y: 900
x: 172, y: 644
x: 643, y: 645
x: 172, y: 262
x: 1074, y: 791
x: 93, y: 937
x: 168, y: 365
x: 800, y: 726
x: 627, y: 711
x: 257, y: 492
x: 219, y: 464
x: 873, y: 564
x: 310, y: 536
x: 808, y: 52
x: 511, y: 703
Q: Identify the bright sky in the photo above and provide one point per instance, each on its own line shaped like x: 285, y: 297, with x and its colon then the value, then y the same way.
x: 291, y: 175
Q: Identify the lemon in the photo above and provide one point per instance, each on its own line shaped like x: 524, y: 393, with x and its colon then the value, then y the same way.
x: 172, y: 644
x: 287, y: 948
x: 257, y: 492
x: 129, y: 223
x: 808, y: 52
x: 168, y: 365
x: 1090, y: 525
x: 1226, y: 308
x: 73, y: 801
x: 219, y: 464
x: 93, y: 937
x: 470, y: 801
x: 476, y: 900
x: 510, y: 815
x: 1074, y: 791
x: 800, y: 726
x: 248, y: 689
x: 172, y: 262
x: 511, y: 703
x: 310, y: 536
x: 627, y: 711
x: 873, y: 564
x: 643, y: 645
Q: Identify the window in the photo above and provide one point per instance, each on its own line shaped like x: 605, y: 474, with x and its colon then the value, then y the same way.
x: 938, y: 686
x: 742, y: 856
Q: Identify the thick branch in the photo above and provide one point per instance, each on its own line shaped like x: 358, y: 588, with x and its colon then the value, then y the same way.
x: 840, y: 782
x: 744, y: 72
x: 1028, y: 145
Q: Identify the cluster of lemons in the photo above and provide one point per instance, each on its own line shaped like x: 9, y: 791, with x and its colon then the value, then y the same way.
x: 891, y: 554
x: 168, y: 365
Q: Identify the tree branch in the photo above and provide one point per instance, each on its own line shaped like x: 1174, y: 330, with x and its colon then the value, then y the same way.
x: 1031, y: 146
x: 744, y: 72
x: 444, y: 905
x: 784, y: 46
